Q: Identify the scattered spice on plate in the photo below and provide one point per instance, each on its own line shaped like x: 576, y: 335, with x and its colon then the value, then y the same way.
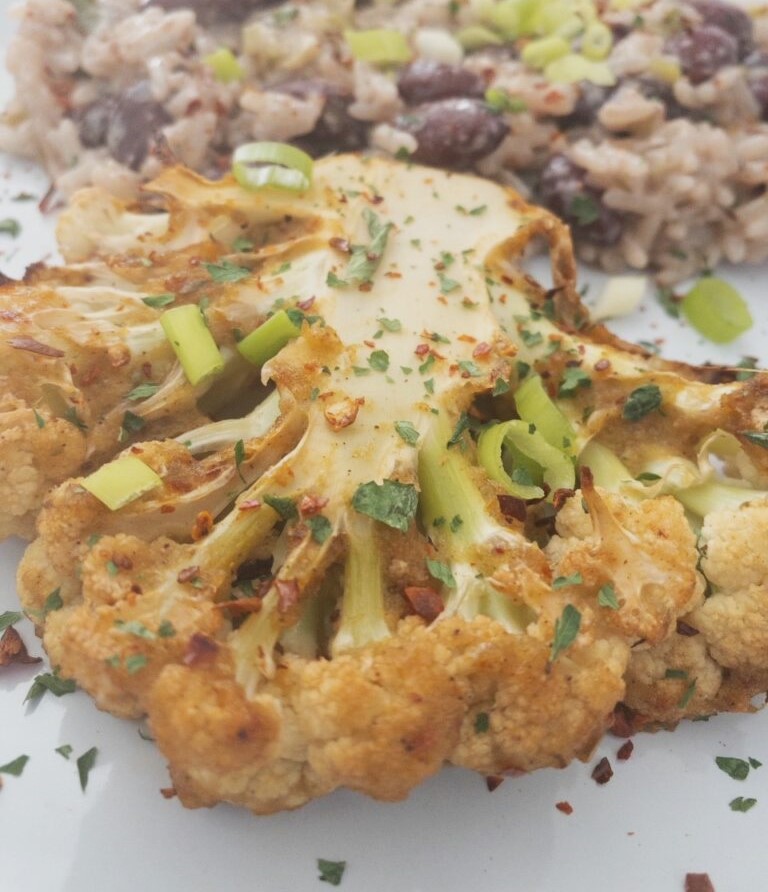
x: 565, y: 807
x: 602, y: 772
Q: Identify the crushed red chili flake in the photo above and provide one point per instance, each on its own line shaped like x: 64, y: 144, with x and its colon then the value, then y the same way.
x: 560, y: 497
x: 565, y: 807
x: 602, y: 365
x: 310, y: 505
x: 122, y: 561
x: 425, y: 601
x: 188, y: 574
x: 422, y: 350
x: 698, y: 882
x: 625, y: 751
x: 288, y: 594
x: 13, y: 649
x: 167, y: 509
x: 200, y: 649
x: 482, y: 349
x: 512, y: 508
x: 168, y: 792
x: 306, y: 304
x: 623, y: 723
x: 602, y: 772
x: 202, y: 526
x: 249, y: 505
x: 33, y: 346
x: 240, y: 606
x: 493, y: 782
x: 684, y: 629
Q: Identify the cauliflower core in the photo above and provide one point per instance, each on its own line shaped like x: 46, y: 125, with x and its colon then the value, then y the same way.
x: 327, y: 588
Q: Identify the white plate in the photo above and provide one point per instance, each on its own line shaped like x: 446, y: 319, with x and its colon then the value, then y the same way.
x: 664, y: 813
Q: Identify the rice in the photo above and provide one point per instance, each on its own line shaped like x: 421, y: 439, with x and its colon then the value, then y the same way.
x: 665, y: 169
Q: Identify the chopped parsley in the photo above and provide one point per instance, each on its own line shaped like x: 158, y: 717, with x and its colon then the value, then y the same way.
x: 583, y: 209
x: 573, y: 379
x: 364, y: 259
x: 447, y: 285
x: 390, y: 502
x: 158, y: 301
x: 9, y: 618
x: 16, y: 767
x: 390, y: 324
x: 65, y: 750
x: 131, y: 424
x: 84, y: 765
x: 641, y: 401
x: 239, y: 458
x: 135, y: 663
x: 736, y: 768
x: 286, y: 508
x: 566, y: 629
x: 39, y: 420
x: 407, y: 432
x: 742, y: 804
x: 606, y: 597
x: 563, y: 581
x: 469, y: 368
x: 379, y: 360
x: 226, y: 271
x: 11, y: 227
x: 142, y: 391
x: 320, y: 528
x: 442, y: 572
x: 331, y: 871
x: 49, y: 681
x: 482, y: 723
x: 759, y: 438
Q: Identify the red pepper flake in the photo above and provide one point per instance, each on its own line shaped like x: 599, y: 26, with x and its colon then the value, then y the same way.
x: 33, y: 346
x: 422, y: 350
x: 370, y: 344
x: 513, y: 508
x: 13, y: 649
x: 122, y: 561
x: 188, y: 574
x: 202, y: 526
x: 168, y: 792
x: 493, y: 782
x: 200, y: 649
x: 625, y: 751
x: 365, y: 286
x: 288, y: 594
x: 623, y: 723
x: 343, y: 412
x: 249, y: 505
x: 698, y: 882
x: 310, y: 505
x: 565, y: 807
x: 376, y: 199
x: 684, y: 629
x: 482, y: 349
x: 306, y: 304
x: 602, y: 772
x: 560, y: 497
x: 425, y: 601
x: 167, y: 509
x: 602, y: 365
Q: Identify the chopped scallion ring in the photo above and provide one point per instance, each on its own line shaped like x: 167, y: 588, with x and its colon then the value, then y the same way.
x: 121, y: 481
x: 535, y: 406
x: 381, y: 46
x: 257, y: 165
x: 192, y: 342
x: 268, y: 339
x: 224, y: 65
x: 717, y: 310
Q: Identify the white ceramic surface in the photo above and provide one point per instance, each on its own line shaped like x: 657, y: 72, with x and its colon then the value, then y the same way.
x: 665, y: 812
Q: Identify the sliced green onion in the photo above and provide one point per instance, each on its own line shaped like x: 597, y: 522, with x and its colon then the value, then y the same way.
x: 192, y: 342
x: 597, y: 41
x: 707, y: 497
x: 573, y: 68
x: 257, y: 165
x: 717, y: 310
x: 535, y: 406
x: 225, y: 66
x: 526, y: 443
x: 121, y: 481
x: 381, y: 46
x: 475, y: 37
x: 268, y: 339
x: 539, y: 53
x: 506, y: 18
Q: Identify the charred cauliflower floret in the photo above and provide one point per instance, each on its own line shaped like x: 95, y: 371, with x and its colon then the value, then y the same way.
x: 437, y: 518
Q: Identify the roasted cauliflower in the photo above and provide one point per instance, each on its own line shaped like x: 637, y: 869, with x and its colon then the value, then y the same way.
x: 420, y: 537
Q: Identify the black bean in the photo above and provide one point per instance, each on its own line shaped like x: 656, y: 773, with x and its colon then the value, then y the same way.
x: 703, y: 51
x: 453, y: 132
x: 591, y: 99
x: 336, y: 129
x: 426, y: 81
x: 93, y: 120
x: 133, y: 124
x: 563, y: 189
x: 731, y: 19
x: 209, y: 12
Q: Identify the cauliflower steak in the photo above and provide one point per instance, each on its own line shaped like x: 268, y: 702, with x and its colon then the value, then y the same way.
x: 412, y: 532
